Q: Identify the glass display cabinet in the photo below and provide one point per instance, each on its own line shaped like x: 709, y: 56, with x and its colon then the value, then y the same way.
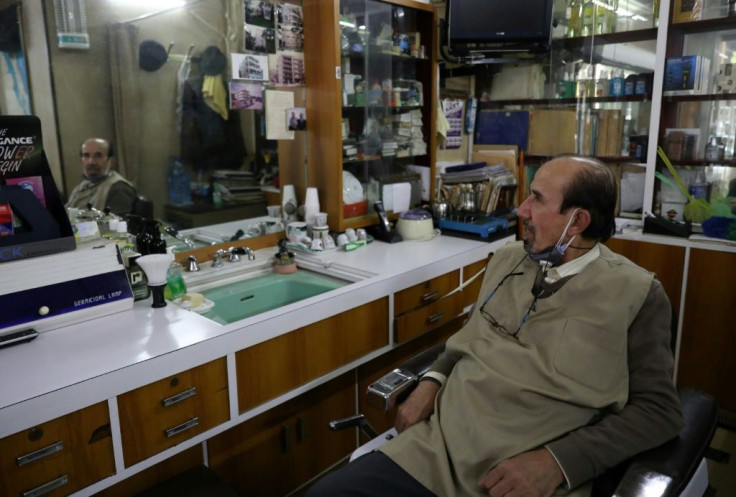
x: 597, y: 92
x: 371, y: 88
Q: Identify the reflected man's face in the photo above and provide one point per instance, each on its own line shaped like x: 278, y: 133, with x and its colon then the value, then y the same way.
x: 95, y: 158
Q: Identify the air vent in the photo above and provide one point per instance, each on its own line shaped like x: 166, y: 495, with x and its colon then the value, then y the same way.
x: 71, y: 24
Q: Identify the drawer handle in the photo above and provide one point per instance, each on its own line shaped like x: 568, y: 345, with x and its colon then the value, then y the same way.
x: 435, y: 317
x: 39, y: 454
x: 430, y: 296
x: 170, y: 401
x: 47, y: 487
x: 170, y: 432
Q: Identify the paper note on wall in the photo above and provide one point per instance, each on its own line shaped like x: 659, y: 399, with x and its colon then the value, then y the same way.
x: 277, y: 103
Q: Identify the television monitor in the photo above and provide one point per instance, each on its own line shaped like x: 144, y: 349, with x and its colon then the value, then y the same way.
x: 493, y: 25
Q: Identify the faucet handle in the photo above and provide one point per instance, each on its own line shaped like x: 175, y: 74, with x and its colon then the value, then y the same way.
x: 192, y: 264
x: 217, y: 261
x: 234, y: 254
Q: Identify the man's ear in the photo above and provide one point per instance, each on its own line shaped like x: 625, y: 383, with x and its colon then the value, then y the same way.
x: 580, y: 222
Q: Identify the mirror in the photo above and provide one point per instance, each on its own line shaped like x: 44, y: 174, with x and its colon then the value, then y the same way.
x: 14, y: 88
x: 104, y: 88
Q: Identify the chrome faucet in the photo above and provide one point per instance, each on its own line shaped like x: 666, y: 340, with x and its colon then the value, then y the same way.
x: 192, y: 266
x: 217, y: 261
x: 236, y: 252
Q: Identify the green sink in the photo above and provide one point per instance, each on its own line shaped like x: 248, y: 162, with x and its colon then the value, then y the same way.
x: 248, y: 297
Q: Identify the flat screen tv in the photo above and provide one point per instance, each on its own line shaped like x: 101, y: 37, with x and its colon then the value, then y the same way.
x: 490, y: 25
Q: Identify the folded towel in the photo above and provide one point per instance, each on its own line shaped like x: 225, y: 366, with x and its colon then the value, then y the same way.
x: 213, y: 91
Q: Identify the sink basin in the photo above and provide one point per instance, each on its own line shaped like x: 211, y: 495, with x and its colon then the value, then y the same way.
x: 247, y: 297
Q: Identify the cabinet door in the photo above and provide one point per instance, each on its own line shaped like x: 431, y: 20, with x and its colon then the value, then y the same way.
x: 276, y: 366
x: 371, y: 85
x: 58, y: 457
x: 708, y: 337
x: 163, y: 414
x: 428, y: 317
x: 275, y: 452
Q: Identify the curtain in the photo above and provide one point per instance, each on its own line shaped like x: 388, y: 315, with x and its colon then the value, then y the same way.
x: 123, y: 45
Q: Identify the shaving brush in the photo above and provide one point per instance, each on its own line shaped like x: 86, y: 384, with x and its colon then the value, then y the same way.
x: 155, y: 266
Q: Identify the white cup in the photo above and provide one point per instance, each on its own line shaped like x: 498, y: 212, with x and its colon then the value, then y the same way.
x: 317, y: 244
x: 328, y: 241
x: 320, y: 219
x: 273, y: 210
x: 362, y: 235
x: 319, y: 231
x: 342, y: 239
x: 352, y: 236
x: 296, y: 230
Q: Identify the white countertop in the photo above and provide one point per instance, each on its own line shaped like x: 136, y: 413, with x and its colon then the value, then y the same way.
x: 74, y: 366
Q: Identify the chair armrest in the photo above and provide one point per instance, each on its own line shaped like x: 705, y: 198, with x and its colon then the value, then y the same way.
x: 393, y: 387
x: 669, y: 467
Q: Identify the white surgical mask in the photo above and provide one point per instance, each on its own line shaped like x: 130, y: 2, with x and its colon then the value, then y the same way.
x: 551, y: 256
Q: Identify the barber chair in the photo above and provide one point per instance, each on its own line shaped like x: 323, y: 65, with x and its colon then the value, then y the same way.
x: 676, y: 468
x: 143, y: 207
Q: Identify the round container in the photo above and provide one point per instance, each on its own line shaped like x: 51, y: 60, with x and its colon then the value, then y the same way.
x: 415, y: 224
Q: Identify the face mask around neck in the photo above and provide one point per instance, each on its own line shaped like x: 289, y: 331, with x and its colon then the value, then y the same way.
x: 551, y: 256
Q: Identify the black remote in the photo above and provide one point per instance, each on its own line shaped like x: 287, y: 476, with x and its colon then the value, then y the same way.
x: 19, y: 336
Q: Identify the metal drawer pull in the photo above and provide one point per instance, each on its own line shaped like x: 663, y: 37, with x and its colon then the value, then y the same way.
x: 429, y: 296
x: 435, y: 317
x: 170, y: 432
x: 39, y: 454
x: 169, y: 401
x: 47, y: 487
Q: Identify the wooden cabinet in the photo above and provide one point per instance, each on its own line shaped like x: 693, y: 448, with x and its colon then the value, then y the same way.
x: 169, y: 411
x: 276, y: 366
x: 58, y: 457
x: 275, y: 452
x: 708, y: 335
x: 422, y: 307
x: 666, y: 261
x: 371, y: 105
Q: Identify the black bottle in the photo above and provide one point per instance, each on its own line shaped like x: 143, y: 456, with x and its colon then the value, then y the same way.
x: 156, y: 245
x: 143, y: 238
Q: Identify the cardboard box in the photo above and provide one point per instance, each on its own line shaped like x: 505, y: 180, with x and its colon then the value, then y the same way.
x: 610, y: 133
x: 687, y: 11
x: 552, y: 131
x: 686, y: 75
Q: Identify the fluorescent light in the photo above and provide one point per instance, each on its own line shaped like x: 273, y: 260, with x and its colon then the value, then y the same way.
x: 159, y: 4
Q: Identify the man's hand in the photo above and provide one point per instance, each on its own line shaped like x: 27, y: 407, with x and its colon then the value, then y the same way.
x: 531, y: 474
x: 419, y: 405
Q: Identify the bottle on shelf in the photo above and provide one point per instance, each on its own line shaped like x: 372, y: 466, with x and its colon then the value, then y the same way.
x: 587, y: 24
x: 602, y: 85
x: 180, y: 192
x: 616, y: 85
x: 573, y: 14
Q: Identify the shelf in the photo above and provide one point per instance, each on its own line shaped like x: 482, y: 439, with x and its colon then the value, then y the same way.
x: 374, y: 52
x: 703, y: 162
x: 564, y: 101
x: 701, y: 26
x: 711, y: 97
x: 606, y: 39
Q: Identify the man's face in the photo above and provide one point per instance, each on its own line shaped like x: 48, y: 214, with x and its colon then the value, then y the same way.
x: 540, y: 212
x: 95, y: 160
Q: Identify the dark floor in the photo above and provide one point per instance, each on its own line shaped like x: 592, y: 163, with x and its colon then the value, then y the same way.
x: 722, y: 470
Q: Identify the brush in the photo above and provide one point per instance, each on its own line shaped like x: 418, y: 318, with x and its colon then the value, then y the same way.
x: 696, y: 210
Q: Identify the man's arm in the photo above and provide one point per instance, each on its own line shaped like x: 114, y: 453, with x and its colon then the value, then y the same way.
x: 652, y: 414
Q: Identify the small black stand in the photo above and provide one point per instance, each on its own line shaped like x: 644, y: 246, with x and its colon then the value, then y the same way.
x: 158, y: 295
x: 379, y: 232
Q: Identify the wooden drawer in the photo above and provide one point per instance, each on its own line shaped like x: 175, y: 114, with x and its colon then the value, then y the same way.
x: 62, y: 455
x: 470, y: 292
x: 424, y: 293
x: 167, y: 412
x: 426, y: 318
x: 276, y: 366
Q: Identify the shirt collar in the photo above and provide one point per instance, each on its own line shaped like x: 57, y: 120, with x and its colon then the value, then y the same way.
x: 574, y: 266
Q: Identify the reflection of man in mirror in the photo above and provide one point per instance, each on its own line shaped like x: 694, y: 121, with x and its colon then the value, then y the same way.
x: 101, y: 186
